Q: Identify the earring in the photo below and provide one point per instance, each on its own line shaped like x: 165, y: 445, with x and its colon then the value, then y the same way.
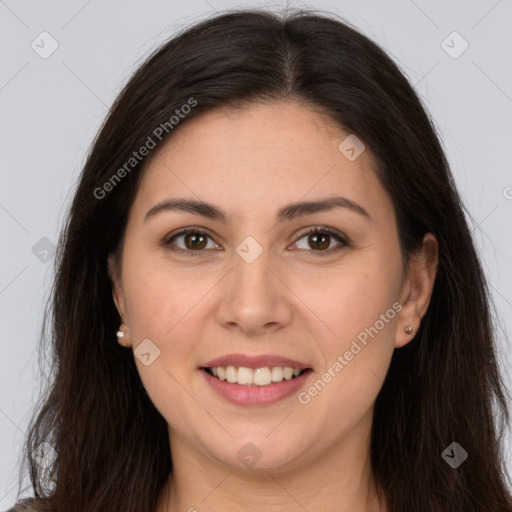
x: 120, y: 334
x: 408, y: 329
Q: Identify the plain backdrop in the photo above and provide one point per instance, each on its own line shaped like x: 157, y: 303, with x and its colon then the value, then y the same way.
x: 52, y: 106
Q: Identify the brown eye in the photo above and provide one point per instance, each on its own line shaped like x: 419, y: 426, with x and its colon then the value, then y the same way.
x: 195, y: 241
x: 319, y: 241
x: 191, y: 240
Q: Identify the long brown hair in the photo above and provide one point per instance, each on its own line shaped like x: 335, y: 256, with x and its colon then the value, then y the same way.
x: 111, y: 444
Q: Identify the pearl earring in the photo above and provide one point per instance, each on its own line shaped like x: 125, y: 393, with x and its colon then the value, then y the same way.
x: 120, y: 335
x: 408, y: 329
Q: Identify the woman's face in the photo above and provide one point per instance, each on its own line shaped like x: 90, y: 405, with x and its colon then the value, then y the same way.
x: 256, y: 284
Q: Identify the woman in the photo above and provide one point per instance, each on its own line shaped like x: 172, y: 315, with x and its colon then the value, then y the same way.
x: 268, y: 222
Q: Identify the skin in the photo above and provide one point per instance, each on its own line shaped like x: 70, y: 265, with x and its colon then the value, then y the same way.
x: 294, y: 300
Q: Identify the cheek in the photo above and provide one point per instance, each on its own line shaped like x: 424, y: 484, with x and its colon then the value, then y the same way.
x: 357, y: 306
x: 157, y: 293
x: 347, y: 299
x: 166, y: 305
x: 168, y: 317
x: 355, y: 364
x: 164, y: 310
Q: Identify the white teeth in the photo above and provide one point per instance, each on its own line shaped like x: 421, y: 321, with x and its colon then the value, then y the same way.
x: 244, y: 375
x: 231, y: 374
x: 277, y: 374
x: 288, y: 372
x: 259, y: 377
x: 262, y: 377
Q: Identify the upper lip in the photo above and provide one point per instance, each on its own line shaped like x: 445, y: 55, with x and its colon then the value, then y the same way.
x: 254, y: 361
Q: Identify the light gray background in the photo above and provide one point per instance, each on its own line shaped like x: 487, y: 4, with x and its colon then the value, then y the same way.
x: 51, y: 109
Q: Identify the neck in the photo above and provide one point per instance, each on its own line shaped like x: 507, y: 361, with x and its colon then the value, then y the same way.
x: 339, y: 479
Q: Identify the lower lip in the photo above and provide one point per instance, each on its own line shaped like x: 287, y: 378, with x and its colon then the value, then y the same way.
x: 256, y: 395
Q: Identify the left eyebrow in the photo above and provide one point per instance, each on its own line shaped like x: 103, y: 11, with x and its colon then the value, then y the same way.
x: 287, y: 213
x: 295, y: 210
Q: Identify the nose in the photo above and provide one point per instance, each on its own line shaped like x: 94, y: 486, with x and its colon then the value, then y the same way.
x: 253, y: 297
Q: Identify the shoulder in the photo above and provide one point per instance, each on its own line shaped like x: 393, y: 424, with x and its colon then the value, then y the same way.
x: 24, y: 506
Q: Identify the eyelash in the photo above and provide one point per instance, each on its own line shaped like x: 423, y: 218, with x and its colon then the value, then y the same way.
x: 344, y: 242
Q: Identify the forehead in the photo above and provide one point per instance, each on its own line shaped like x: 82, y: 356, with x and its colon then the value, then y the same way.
x: 259, y: 156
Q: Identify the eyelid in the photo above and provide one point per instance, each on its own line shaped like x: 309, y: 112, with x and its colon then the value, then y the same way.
x: 325, y: 229
x: 344, y: 241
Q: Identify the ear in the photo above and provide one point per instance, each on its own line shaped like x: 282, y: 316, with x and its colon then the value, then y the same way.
x: 117, y: 289
x: 417, y: 288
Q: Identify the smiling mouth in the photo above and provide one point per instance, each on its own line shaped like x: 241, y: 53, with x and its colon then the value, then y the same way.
x: 264, y: 376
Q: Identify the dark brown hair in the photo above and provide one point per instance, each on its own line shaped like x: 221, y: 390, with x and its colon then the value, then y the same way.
x: 445, y: 385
